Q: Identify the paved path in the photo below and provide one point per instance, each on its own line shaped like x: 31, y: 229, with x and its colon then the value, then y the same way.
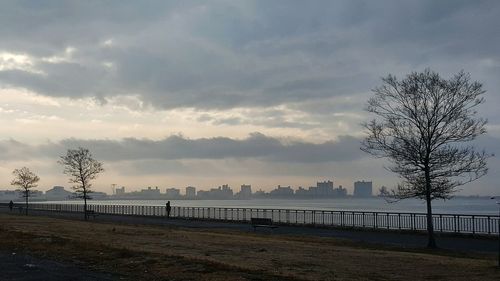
x: 408, y: 240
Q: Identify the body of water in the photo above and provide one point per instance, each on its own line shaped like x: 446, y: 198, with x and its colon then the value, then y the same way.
x: 479, y: 206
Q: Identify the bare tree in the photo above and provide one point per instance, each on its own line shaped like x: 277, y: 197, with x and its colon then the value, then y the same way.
x: 82, y: 168
x: 422, y: 125
x: 25, y: 180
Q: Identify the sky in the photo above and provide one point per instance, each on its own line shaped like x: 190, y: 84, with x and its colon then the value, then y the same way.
x: 205, y: 93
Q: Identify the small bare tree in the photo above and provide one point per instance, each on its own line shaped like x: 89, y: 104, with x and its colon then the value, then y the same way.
x: 25, y: 180
x: 82, y: 168
x: 423, y: 123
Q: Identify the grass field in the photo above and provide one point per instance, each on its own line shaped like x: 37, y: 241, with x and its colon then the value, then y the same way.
x: 139, y: 252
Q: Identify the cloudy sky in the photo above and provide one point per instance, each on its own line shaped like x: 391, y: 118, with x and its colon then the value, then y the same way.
x: 203, y: 93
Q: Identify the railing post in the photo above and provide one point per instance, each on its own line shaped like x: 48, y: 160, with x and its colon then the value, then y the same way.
x: 473, y: 224
x: 413, y: 221
x: 441, y: 222
x: 489, y: 230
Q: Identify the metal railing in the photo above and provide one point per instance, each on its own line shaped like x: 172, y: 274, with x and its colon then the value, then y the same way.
x: 445, y: 223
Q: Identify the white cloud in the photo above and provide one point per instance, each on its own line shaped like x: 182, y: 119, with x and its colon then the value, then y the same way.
x: 17, y: 61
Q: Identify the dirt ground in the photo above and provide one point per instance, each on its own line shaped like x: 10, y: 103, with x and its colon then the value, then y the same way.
x: 138, y: 252
x: 24, y: 267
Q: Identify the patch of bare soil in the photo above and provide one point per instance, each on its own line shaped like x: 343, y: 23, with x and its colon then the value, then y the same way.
x: 18, y: 266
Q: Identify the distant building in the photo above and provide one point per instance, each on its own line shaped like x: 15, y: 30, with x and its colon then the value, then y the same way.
x: 322, y: 189
x: 363, y: 189
x: 36, y: 194
x: 340, y: 192
x: 260, y: 194
x: 173, y: 193
x: 302, y: 192
x: 203, y: 194
x: 150, y: 192
x: 190, y: 192
x: 222, y: 192
x: 245, y: 192
x: 98, y: 195
x: 120, y: 191
x: 282, y: 191
x: 7, y: 195
x: 58, y: 193
x: 325, y: 188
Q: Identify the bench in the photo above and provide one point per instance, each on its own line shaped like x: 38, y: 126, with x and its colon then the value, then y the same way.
x: 262, y: 222
x: 92, y: 213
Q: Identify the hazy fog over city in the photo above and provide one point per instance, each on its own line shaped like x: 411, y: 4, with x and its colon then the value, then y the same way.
x: 186, y: 93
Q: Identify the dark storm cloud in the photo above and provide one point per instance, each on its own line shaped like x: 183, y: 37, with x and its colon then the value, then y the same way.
x: 256, y: 146
x: 228, y: 54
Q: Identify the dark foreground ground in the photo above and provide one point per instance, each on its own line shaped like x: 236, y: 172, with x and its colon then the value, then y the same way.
x: 135, y: 248
x: 24, y: 267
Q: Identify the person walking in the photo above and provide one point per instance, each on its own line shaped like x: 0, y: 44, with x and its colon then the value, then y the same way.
x: 11, y: 205
x: 168, y: 208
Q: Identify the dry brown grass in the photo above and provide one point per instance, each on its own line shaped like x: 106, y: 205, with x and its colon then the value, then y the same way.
x: 155, y: 253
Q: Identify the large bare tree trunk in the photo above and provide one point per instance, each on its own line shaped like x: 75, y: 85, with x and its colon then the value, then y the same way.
x: 85, y: 204
x: 26, y: 197
x: 430, y: 224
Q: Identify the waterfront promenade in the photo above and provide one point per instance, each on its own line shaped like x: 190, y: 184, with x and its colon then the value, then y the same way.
x: 406, y: 239
x: 117, y: 247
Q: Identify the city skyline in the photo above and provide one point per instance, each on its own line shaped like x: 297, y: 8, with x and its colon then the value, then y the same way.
x: 189, y: 93
x: 322, y: 190
x: 117, y: 189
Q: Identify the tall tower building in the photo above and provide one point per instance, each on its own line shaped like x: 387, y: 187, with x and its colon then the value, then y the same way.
x: 362, y: 189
